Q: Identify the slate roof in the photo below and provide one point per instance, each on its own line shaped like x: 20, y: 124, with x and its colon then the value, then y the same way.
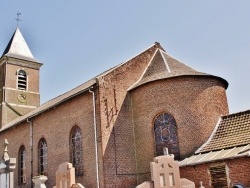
x: 232, y: 131
x: 61, y: 98
x: 52, y: 103
x: 163, y: 66
x: 18, y: 48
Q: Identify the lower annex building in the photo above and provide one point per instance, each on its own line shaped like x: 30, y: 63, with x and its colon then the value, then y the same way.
x: 112, y: 126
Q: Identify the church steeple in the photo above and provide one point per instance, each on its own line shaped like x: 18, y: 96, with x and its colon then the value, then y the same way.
x: 18, y: 48
x: 19, y: 80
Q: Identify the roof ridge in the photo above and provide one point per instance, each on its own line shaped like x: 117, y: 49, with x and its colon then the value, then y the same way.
x: 61, y: 98
x: 236, y: 113
x: 145, y: 70
x: 157, y: 44
x: 210, y: 138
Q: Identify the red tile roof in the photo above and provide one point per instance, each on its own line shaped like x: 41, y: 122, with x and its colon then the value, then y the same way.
x: 232, y: 131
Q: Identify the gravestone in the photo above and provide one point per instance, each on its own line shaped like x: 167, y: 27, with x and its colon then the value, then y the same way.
x: 185, y: 183
x: 146, y: 184
x: 39, y: 181
x: 65, y: 177
x: 78, y: 185
x: 7, y: 166
x: 165, y: 172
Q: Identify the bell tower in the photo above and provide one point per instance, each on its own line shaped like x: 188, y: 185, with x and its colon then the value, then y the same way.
x: 19, y: 80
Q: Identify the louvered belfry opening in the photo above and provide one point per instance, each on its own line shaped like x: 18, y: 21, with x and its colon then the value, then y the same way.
x: 218, y: 176
x: 22, y: 80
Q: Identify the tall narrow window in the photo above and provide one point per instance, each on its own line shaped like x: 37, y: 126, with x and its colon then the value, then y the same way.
x: 76, y: 150
x: 21, y: 80
x: 43, y: 157
x: 22, y: 165
x: 166, y: 135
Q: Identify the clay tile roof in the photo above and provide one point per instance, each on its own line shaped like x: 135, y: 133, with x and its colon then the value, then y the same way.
x: 163, y: 66
x: 18, y: 48
x: 231, y: 131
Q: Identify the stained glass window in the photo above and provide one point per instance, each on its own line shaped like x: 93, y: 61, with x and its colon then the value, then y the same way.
x: 166, y: 135
x: 22, y: 165
x: 43, y: 157
x: 76, y: 150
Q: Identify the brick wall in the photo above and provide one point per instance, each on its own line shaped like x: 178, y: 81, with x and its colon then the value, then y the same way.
x: 55, y: 125
x: 238, y: 170
x: 124, y: 123
x: 117, y: 123
x: 196, y: 104
x: 11, y: 93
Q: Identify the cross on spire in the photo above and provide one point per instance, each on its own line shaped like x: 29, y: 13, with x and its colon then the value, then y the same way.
x: 17, y: 18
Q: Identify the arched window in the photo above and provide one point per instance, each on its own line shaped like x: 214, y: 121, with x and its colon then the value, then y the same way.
x: 76, y: 150
x: 43, y: 157
x: 21, y: 80
x: 166, y: 135
x: 22, y: 165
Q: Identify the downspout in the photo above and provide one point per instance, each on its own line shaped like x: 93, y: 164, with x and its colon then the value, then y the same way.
x: 5, y: 78
x: 31, y: 150
x: 95, y: 130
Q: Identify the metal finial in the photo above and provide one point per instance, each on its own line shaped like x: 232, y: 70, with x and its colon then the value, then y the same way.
x: 17, y: 18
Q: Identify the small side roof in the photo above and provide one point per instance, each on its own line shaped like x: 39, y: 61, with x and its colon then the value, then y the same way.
x: 230, y: 139
x: 18, y: 48
x: 232, y: 131
x: 163, y: 66
x: 223, y: 154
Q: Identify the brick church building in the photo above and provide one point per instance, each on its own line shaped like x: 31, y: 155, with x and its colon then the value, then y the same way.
x: 112, y: 126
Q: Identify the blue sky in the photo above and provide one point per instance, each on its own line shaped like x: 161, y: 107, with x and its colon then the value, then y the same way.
x: 77, y: 40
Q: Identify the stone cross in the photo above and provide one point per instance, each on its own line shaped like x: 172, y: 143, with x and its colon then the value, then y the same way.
x: 165, y: 172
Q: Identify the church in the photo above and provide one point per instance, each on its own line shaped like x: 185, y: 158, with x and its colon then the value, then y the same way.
x: 113, y: 125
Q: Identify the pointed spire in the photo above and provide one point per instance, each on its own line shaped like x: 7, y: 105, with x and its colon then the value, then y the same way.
x: 18, y: 48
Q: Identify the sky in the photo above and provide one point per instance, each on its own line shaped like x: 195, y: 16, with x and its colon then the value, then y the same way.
x: 77, y: 40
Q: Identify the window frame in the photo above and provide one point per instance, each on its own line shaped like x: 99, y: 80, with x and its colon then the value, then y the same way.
x: 76, y: 150
x: 22, y: 165
x: 171, y: 130
x: 42, y: 157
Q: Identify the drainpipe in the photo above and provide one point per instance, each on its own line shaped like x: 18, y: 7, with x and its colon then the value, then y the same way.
x: 95, y: 130
x: 6, y: 62
x: 5, y: 81
x: 31, y: 150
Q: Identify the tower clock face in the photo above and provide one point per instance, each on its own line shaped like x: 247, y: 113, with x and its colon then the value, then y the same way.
x: 21, y: 98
